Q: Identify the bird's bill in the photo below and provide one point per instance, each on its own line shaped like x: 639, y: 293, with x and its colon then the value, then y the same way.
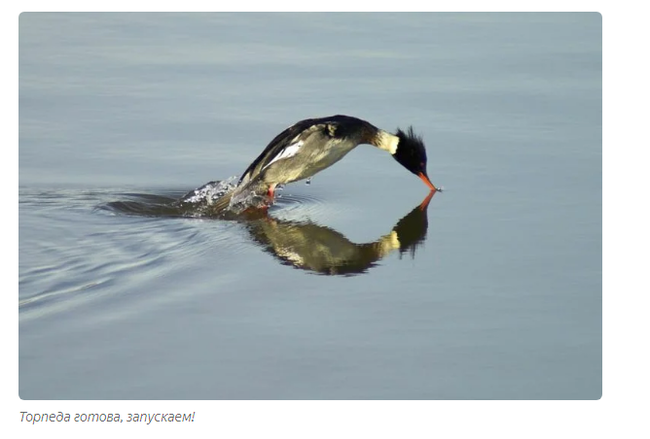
x: 426, y: 181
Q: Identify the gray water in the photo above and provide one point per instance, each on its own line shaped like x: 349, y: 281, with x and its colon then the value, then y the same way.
x: 495, y: 292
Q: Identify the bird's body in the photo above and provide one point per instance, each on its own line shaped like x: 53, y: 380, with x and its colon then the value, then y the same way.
x: 312, y: 145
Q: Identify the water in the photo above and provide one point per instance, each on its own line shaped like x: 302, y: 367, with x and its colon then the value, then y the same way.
x: 495, y: 294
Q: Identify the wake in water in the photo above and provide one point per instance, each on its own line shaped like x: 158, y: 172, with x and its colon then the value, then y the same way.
x: 216, y: 199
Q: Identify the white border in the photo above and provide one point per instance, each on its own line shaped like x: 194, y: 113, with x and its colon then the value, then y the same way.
x: 623, y: 408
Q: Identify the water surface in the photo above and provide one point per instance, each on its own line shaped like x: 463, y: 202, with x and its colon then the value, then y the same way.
x: 496, y: 293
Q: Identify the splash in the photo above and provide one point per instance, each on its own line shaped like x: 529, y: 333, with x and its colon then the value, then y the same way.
x: 209, y: 193
x: 225, y: 199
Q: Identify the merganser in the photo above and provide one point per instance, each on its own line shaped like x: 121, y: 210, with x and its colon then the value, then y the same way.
x: 311, y: 145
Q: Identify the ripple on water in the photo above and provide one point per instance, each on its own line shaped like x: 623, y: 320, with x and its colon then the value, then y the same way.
x: 78, y: 247
x: 69, y: 255
x: 303, y: 205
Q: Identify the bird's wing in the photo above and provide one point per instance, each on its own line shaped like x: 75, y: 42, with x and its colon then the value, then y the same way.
x: 288, y: 151
x: 285, y: 144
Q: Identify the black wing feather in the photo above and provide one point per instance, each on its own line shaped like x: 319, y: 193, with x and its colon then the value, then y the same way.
x: 282, y: 140
x: 277, y: 145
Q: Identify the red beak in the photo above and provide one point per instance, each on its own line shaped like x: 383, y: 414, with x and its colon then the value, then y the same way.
x: 423, y: 176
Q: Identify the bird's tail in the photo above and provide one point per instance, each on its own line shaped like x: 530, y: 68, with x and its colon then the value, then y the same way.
x: 222, y: 205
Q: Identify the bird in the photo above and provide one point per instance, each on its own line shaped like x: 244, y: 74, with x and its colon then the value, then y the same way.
x: 312, y: 145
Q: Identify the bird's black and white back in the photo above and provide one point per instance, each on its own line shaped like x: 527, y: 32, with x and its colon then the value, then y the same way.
x: 312, y: 144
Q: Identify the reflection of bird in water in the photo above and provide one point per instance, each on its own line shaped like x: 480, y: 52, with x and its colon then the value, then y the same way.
x: 309, y: 246
x: 312, y: 145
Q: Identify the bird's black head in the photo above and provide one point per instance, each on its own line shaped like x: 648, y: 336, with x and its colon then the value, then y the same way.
x: 411, y: 154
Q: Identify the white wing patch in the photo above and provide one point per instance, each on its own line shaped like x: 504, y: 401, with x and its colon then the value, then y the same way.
x: 287, y: 152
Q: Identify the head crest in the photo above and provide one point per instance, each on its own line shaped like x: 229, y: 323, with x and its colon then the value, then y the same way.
x: 410, y: 151
x: 412, y: 142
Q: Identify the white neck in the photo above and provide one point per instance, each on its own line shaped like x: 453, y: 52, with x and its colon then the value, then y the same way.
x: 387, y: 141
